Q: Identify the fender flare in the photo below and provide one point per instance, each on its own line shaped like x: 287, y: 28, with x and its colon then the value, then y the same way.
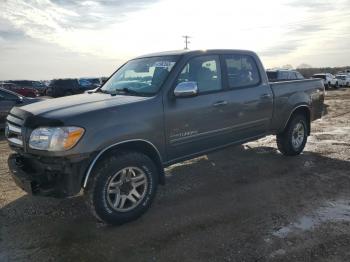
x: 293, y: 111
x: 94, y: 161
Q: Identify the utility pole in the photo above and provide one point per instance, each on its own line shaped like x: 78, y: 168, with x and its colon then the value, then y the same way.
x: 186, y: 41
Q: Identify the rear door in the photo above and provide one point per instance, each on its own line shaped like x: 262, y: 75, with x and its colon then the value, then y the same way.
x: 249, y: 99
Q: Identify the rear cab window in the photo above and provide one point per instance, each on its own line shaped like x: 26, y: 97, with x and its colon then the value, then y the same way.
x: 292, y: 76
x: 299, y: 76
x: 319, y: 76
x: 283, y: 75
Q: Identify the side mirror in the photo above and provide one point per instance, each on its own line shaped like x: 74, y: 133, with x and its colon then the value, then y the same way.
x: 186, y: 89
x: 19, y: 100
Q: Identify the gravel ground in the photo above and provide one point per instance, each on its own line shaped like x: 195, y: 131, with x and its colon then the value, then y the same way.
x: 246, y: 203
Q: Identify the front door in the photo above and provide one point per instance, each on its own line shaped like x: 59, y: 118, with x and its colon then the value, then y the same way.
x: 194, y: 124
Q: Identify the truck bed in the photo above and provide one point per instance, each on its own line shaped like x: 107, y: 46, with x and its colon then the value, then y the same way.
x: 288, y: 95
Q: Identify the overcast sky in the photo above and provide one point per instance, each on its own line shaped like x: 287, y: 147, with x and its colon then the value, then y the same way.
x: 44, y: 39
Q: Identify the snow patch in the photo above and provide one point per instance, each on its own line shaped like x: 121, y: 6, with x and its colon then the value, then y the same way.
x: 333, y: 211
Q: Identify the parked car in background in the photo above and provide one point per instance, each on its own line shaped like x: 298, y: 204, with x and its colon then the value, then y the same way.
x: 10, y: 99
x: 40, y: 86
x: 343, y: 80
x: 102, y: 81
x: 35, y: 85
x: 24, y: 91
x: 64, y: 87
x: 90, y: 83
x: 278, y: 75
x: 154, y: 111
x: 345, y: 72
x: 328, y: 79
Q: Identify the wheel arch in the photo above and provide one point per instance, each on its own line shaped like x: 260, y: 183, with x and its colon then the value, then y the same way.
x: 301, y: 109
x: 138, y: 145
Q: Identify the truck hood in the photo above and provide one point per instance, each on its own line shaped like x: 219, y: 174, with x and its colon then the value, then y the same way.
x: 29, y: 100
x: 77, y: 104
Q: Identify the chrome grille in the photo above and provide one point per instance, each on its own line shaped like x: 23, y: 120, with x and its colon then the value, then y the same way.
x: 13, y: 130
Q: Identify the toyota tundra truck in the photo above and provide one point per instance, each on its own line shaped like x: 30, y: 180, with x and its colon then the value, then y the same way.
x: 114, y: 142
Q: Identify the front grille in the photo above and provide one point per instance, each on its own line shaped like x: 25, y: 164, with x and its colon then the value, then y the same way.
x: 13, y: 130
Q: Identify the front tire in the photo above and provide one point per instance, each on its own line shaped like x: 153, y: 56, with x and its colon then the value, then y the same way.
x: 122, y: 187
x: 293, y: 139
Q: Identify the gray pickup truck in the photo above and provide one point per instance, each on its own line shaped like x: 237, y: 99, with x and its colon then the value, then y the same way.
x: 154, y: 111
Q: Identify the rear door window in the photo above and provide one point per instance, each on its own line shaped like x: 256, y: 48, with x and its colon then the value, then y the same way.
x: 242, y: 71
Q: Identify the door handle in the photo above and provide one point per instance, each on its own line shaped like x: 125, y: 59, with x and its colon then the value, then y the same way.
x: 220, y: 103
x: 265, y: 96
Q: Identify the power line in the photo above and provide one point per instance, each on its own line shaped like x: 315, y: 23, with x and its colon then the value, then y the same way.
x: 186, y: 41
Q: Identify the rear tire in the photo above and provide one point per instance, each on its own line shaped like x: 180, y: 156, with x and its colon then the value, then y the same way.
x: 122, y: 187
x: 292, y: 140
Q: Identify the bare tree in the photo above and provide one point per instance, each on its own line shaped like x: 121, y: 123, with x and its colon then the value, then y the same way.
x: 304, y: 65
x: 287, y: 66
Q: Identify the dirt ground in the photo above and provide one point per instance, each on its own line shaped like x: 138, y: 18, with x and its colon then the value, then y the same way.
x: 246, y: 203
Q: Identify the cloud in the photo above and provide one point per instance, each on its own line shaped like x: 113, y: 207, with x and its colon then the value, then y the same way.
x: 292, y: 39
x: 10, y: 34
x: 76, y: 25
x: 42, y: 17
x: 283, y: 48
x: 86, y: 14
x: 307, y: 29
x: 37, y: 60
x: 319, y: 37
x: 293, y: 31
x: 315, y: 5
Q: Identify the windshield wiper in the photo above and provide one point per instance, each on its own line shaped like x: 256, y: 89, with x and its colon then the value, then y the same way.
x: 100, y: 90
x: 130, y: 91
x: 126, y: 90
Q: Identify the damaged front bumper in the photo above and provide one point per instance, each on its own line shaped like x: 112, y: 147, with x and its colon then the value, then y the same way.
x: 48, y: 176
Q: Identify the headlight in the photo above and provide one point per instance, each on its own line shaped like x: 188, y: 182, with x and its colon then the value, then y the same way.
x: 55, y: 138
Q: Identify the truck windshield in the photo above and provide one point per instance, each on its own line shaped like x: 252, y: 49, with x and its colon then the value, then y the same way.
x: 143, y: 76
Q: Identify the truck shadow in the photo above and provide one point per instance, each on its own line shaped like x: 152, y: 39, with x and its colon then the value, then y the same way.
x: 342, y: 89
x: 242, y: 192
x: 2, y: 135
